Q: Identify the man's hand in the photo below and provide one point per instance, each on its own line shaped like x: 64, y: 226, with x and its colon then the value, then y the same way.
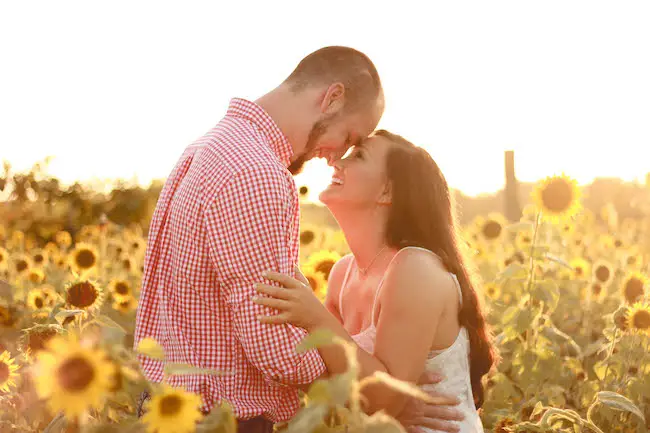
x: 440, y: 416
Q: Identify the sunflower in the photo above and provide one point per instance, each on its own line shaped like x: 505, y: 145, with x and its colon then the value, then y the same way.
x: 120, y: 288
x: 634, y: 287
x: 317, y: 283
x: 602, y: 273
x: 50, y: 294
x: 35, y: 338
x: 21, y: 264
x: 323, y: 261
x: 36, y: 275
x: 8, y: 317
x: 127, y: 263
x: 137, y: 245
x: 84, y: 295
x: 7, y: 371
x: 51, y: 248
x: 524, y: 240
x: 72, y: 377
x: 88, y: 233
x: 61, y: 262
x: 84, y: 257
x: 4, y: 258
x: 596, y: 290
x: 492, y: 228
x: 63, y: 239
x: 36, y: 299
x: 558, y: 197
x: 125, y: 304
x: 308, y: 237
x: 40, y: 258
x: 492, y: 290
x: 581, y: 268
x: 172, y: 410
x: 638, y: 318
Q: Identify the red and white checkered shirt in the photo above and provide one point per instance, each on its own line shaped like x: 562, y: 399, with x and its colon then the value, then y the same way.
x: 228, y: 212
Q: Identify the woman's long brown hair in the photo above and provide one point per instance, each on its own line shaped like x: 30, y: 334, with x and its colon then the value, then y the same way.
x: 422, y: 215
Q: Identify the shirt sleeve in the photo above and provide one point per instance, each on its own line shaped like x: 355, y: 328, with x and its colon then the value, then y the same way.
x: 249, y: 226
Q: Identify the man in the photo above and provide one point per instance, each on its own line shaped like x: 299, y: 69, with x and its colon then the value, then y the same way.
x: 228, y: 212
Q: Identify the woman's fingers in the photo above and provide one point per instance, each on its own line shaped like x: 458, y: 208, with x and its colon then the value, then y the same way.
x: 278, y: 304
x: 275, y: 292
x: 278, y: 319
x: 285, y: 280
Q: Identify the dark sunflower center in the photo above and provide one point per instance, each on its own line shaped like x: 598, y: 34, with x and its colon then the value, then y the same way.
x: 2, y: 258
x: 170, y: 405
x: 325, y: 267
x: 82, y: 295
x: 122, y: 288
x: 6, y: 317
x: 38, y: 258
x: 596, y: 289
x: 618, y: 243
x: 557, y: 196
x: 303, y: 190
x: 135, y: 245
x: 21, y: 265
x: 85, y: 259
x: 126, y: 263
x: 37, y: 339
x: 38, y: 302
x: 631, y: 260
x: 492, y: 229
x: 35, y: 277
x: 579, y: 271
x: 633, y: 290
x: 313, y: 283
x: 641, y: 319
x: 75, y: 374
x: 602, y: 273
x: 306, y: 237
x: 4, y: 372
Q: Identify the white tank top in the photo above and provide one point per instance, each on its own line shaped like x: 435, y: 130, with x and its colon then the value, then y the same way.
x: 452, y: 363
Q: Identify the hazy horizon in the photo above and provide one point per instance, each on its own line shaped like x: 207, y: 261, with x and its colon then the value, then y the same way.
x: 120, y: 89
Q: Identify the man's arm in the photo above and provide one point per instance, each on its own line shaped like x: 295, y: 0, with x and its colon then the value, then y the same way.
x: 248, y: 229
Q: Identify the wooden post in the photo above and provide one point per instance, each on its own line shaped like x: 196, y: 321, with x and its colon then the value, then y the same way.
x: 511, y: 196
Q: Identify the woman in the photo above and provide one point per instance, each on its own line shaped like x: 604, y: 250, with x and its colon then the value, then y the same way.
x: 404, y: 295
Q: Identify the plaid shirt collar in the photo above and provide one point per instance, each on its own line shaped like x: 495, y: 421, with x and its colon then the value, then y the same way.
x: 255, y: 114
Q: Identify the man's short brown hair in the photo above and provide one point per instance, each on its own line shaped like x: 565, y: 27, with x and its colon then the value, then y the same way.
x: 334, y: 64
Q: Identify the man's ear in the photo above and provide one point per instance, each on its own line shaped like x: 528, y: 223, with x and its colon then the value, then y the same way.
x: 333, y: 99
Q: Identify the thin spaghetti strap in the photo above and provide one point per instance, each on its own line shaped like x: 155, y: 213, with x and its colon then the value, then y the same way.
x: 374, y: 305
x: 460, y: 290
x: 345, y: 283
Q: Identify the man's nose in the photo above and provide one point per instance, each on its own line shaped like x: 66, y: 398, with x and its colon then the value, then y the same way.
x: 334, y: 157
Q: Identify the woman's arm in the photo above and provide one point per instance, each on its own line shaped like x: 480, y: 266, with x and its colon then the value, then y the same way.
x: 415, y: 292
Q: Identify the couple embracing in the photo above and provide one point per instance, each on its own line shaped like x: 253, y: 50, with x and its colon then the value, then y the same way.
x: 221, y: 287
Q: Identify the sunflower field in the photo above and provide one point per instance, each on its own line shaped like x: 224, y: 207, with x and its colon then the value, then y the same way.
x: 565, y: 290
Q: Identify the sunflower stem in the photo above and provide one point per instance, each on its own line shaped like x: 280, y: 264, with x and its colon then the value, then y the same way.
x: 531, y: 273
x: 611, y: 351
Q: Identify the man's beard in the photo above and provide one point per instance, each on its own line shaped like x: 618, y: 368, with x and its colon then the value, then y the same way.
x: 316, y: 132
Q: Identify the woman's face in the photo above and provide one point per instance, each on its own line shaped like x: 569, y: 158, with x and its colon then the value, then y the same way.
x: 360, y: 179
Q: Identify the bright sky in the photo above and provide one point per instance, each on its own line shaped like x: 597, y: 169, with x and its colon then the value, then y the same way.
x: 118, y: 89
